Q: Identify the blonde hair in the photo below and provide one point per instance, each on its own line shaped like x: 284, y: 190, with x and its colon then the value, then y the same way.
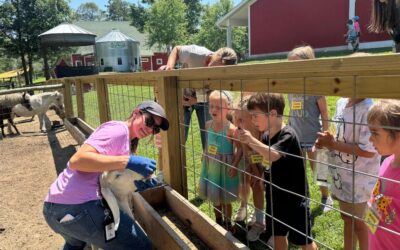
x: 303, y: 52
x: 386, y: 113
x: 224, y: 95
x: 226, y: 55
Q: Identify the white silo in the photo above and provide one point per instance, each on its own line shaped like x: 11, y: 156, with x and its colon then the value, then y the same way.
x: 117, y: 52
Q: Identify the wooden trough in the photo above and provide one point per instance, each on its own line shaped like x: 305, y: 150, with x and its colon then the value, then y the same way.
x: 170, y: 221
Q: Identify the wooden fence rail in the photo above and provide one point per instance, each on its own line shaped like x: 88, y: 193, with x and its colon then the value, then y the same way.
x: 370, y: 76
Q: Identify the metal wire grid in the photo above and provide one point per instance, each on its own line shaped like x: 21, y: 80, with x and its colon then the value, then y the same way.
x: 193, y: 161
x: 91, y: 105
x: 123, y: 97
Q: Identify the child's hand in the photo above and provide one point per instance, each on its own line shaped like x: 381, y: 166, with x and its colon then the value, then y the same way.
x: 232, y: 172
x: 325, y: 139
x: 245, y: 136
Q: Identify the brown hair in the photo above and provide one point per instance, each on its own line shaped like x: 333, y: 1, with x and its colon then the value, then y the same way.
x: 386, y: 113
x: 304, y: 52
x: 383, y: 16
x: 226, y: 55
x: 267, y: 102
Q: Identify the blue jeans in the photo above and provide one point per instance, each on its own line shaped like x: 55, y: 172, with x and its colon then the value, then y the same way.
x: 202, y: 115
x: 87, y: 227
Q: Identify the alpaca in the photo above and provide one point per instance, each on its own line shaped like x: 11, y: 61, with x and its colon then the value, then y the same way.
x: 6, y: 104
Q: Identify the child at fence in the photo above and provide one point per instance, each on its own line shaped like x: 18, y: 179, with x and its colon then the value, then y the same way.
x: 219, y: 182
x: 351, y: 35
x: 304, y: 117
x: 252, y: 177
x: 384, y: 204
x: 286, y: 191
x: 354, y: 161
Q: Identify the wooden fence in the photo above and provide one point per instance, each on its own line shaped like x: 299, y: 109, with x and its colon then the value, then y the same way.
x: 370, y: 76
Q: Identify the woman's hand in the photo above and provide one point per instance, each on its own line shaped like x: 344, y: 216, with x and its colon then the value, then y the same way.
x: 142, y: 165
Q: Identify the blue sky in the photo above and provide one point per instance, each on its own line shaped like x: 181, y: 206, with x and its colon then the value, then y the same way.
x: 101, y: 3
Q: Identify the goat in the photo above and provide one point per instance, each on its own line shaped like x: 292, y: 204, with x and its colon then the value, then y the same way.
x: 40, y: 104
x: 5, y: 113
x: 6, y: 104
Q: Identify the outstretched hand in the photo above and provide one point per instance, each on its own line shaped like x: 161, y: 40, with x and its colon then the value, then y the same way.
x: 142, y: 165
x: 325, y: 139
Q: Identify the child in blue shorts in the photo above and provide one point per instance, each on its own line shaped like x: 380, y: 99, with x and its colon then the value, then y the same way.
x: 288, y: 214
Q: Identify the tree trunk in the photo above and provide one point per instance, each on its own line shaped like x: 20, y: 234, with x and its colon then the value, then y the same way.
x: 30, y: 63
x: 23, y: 60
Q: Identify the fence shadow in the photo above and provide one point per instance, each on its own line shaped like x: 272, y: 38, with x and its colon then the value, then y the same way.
x: 61, y: 155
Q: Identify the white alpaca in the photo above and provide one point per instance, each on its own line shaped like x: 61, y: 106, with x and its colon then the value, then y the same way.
x: 40, y: 103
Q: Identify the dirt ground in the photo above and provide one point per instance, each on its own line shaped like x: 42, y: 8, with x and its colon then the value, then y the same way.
x: 29, y: 163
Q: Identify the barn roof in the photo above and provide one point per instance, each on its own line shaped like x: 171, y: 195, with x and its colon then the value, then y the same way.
x: 238, y: 16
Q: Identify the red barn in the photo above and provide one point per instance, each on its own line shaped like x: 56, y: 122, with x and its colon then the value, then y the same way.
x: 155, y: 61
x: 277, y: 26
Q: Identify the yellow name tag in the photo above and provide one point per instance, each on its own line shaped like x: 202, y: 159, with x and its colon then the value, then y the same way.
x: 372, y: 220
x: 255, y: 159
x: 265, y: 164
x: 212, y: 149
x: 297, y: 105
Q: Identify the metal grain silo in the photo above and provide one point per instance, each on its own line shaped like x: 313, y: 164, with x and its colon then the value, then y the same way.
x: 117, y: 52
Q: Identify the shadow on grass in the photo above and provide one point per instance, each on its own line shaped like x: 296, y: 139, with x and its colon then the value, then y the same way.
x: 197, y: 201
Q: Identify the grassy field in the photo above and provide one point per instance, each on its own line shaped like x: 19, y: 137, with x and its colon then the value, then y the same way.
x: 327, y: 227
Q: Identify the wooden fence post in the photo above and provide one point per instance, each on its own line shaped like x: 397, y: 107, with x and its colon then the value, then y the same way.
x: 102, y: 98
x: 80, y: 102
x: 69, y: 111
x: 171, y: 154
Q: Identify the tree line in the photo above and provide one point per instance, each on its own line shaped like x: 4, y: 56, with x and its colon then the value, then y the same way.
x: 167, y: 23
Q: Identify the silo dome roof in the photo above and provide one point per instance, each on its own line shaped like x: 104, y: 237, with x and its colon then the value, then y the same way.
x: 115, y: 36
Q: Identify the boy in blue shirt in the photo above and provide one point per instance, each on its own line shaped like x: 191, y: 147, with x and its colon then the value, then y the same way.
x: 286, y: 192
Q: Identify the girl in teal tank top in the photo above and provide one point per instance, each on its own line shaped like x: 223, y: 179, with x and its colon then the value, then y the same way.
x: 219, y: 181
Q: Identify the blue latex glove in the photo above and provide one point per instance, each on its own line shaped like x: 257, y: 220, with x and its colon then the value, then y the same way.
x: 145, y: 184
x: 142, y: 165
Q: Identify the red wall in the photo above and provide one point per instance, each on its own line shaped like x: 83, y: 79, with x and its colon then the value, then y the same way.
x: 146, y: 66
x: 281, y: 25
x: 363, y: 10
x: 162, y: 56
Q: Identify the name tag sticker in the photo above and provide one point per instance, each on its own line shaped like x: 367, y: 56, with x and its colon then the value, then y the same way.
x: 212, y: 149
x: 110, y: 231
x: 255, y: 159
x: 265, y: 164
x: 297, y: 105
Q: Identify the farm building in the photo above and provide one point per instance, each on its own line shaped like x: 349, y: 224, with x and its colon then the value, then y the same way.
x: 149, y: 57
x: 277, y: 26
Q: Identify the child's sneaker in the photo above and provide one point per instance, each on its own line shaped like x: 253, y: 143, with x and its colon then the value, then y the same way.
x: 326, y: 204
x: 240, y: 214
x: 254, y: 233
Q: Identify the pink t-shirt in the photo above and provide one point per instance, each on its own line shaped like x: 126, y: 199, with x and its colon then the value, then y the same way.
x: 385, y: 201
x: 77, y: 187
x: 356, y: 26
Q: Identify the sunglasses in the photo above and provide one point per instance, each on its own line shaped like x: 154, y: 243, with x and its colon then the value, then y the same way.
x: 151, y: 123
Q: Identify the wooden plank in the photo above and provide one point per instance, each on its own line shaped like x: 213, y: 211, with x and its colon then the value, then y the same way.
x: 102, y: 98
x: 180, y: 234
x: 154, y: 196
x: 330, y: 86
x: 172, y: 164
x: 206, y: 229
x: 160, y: 234
x: 378, y: 87
x: 74, y: 131
x: 80, y: 103
x: 69, y: 111
x: 84, y: 126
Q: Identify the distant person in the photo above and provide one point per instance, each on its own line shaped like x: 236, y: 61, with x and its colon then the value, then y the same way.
x: 357, y: 28
x: 308, y: 115
x: 351, y: 35
x: 193, y: 56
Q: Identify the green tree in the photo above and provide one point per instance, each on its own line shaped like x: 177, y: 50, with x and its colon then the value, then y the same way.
x: 139, y: 16
x: 117, y: 10
x: 167, y: 25
x: 193, y: 14
x: 88, y: 12
x: 210, y: 35
x: 22, y: 21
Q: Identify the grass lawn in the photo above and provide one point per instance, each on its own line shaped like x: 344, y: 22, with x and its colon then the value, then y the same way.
x: 327, y: 228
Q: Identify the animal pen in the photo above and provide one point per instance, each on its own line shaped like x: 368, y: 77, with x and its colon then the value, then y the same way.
x: 113, y: 96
